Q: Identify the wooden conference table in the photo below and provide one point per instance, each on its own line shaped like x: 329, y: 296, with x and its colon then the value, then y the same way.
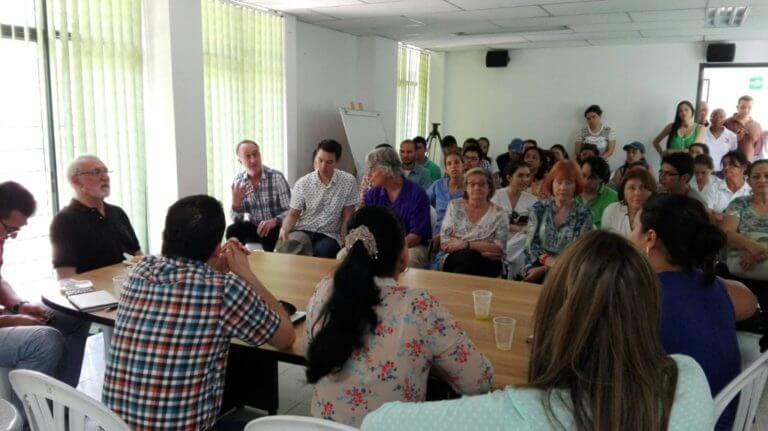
x: 293, y: 278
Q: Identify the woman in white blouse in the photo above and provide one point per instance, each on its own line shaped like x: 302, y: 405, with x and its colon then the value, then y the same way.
x: 636, y: 187
x: 734, y: 164
x: 516, y: 202
x: 474, y: 232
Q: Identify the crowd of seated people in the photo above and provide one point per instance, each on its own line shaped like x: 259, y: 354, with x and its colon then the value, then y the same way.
x: 698, y: 266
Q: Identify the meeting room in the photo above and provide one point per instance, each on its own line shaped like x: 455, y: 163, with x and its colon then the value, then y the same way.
x: 254, y: 215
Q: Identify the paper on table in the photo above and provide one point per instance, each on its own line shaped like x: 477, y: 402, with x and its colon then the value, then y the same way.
x: 91, y: 301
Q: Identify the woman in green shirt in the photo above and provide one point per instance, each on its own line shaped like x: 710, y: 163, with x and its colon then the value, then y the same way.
x: 596, y: 361
x: 682, y: 132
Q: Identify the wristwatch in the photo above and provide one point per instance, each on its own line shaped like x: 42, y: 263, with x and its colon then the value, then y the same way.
x: 16, y: 306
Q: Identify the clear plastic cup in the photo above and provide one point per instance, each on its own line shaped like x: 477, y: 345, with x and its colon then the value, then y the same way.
x: 504, y: 330
x: 482, y: 299
x: 118, y: 282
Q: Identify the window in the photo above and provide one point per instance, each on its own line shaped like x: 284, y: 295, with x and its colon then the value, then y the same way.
x: 97, y: 103
x: 23, y: 148
x: 67, y: 92
x: 412, y: 92
x: 244, y: 89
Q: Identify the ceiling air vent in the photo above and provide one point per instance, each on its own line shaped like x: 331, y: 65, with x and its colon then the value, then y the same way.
x: 727, y: 16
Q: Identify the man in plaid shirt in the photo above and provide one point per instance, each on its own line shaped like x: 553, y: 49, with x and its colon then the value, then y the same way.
x: 177, y: 314
x: 260, y: 198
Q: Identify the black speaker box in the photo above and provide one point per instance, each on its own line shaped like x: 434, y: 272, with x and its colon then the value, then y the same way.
x: 720, y: 52
x: 498, y: 58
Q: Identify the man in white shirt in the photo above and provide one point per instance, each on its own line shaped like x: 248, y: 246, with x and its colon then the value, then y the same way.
x: 321, y: 204
x: 719, y: 139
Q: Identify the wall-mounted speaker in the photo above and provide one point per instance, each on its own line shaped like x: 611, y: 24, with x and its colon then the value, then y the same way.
x: 497, y: 58
x: 720, y: 52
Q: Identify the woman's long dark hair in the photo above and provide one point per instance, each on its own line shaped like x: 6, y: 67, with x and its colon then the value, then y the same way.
x: 543, y: 167
x: 679, y: 122
x: 682, y: 225
x: 349, y: 312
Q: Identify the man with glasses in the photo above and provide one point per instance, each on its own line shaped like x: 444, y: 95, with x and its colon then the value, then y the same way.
x: 33, y: 337
x: 90, y: 233
x: 674, y: 176
x: 596, y: 195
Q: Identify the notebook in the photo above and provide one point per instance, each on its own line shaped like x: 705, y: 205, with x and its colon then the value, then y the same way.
x: 91, y: 301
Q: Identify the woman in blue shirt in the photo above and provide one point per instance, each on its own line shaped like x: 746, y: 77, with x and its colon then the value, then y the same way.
x: 698, y: 316
x: 448, y: 188
x: 596, y: 362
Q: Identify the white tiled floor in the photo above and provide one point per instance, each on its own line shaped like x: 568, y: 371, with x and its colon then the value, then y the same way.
x: 295, y: 394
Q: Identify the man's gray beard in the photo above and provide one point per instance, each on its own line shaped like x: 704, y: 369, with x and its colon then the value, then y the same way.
x: 409, y: 167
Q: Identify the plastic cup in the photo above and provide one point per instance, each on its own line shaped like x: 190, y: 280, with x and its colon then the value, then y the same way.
x: 504, y: 330
x: 482, y: 300
x: 118, y: 282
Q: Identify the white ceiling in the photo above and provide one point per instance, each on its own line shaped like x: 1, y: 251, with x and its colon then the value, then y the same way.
x: 446, y: 25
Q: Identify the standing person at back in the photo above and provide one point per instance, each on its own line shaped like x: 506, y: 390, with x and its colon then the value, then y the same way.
x: 321, y: 204
x: 177, y: 315
x: 718, y: 138
x: 596, y: 133
x: 595, y: 364
x: 682, y: 132
x: 747, y: 130
x: 259, y: 193
x: 422, y: 160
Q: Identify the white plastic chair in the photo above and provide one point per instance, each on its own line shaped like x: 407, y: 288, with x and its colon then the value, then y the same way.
x: 749, y: 386
x: 46, y: 401
x: 10, y: 420
x: 295, y: 423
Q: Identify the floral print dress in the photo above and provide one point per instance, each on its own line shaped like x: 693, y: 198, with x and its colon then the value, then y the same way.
x: 415, y: 336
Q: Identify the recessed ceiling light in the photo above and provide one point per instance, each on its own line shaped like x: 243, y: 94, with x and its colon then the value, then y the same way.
x: 727, y: 16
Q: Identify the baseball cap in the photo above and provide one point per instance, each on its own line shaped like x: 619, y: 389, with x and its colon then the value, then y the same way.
x: 635, y: 145
x: 516, y: 145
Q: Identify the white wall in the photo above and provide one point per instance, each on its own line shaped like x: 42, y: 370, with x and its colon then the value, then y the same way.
x: 174, y: 108
x: 377, y: 78
x: 333, y: 69
x: 542, y: 93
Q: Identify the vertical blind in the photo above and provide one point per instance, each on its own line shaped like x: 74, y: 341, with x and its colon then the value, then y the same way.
x: 412, y: 92
x: 95, y: 57
x: 244, y: 89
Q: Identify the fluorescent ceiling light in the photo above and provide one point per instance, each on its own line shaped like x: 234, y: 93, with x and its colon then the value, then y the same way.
x: 727, y: 16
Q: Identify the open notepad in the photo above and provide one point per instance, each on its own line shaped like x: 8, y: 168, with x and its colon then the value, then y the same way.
x: 91, y: 301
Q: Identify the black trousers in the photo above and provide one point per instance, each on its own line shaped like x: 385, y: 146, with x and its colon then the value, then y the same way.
x: 759, y: 322
x: 473, y: 263
x: 246, y: 232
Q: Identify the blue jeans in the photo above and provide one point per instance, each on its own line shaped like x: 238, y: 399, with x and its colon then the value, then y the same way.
x: 37, y: 348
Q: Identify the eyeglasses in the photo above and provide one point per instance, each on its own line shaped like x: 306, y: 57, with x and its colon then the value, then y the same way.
x: 96, y: 172
x: 9, y: 230
x: 667, y: 174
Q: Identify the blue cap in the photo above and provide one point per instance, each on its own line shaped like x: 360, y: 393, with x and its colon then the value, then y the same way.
x: 635, y: 145
x: 516, y: 146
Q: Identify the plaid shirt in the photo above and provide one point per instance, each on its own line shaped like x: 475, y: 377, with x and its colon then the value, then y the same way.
x: 171, y: 339
x: 269, y: 201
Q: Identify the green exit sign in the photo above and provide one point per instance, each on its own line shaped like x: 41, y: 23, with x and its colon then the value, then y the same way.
x: 756, y: 83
